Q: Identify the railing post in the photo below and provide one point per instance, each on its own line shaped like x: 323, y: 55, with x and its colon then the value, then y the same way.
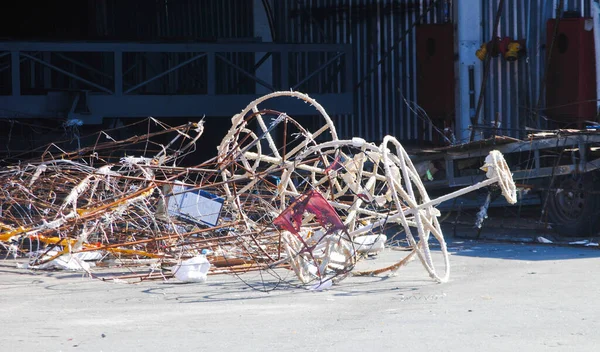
x: 15, y: 65
x: 263, y: 69
x: 118, y: 61
x: 211, y: 80
x: 47, y: 57
x: 284, y: 70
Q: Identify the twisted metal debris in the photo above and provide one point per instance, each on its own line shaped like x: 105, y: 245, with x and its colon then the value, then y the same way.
x: 278, y: 199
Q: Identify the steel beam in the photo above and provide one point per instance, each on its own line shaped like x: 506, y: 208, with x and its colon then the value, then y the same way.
x: 469, y: 34
x: 80, y: 64
x: 263, y: 69
x: 47, y: 56
x: 211, y: 80
x: 15, y: 65
x: 246, y: 73
x: 118, y: 62
x: 313, y: 73
x: 284, y: 78
x: 170, y: 47
x: 174, y: 68
x: 67, y: 73
x: 126, y: 106
x: 118, y: 104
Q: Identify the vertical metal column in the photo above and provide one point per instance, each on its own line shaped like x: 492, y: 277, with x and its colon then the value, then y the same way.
x: 263, y: 31
x: 283, y: 70
x: 15, y: 66
x: 47, y: 57
x: 211, y: 80
x: 118, y: 73
x: 469, y: 34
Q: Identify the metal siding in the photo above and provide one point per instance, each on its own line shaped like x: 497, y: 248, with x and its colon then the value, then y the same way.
x: 513, y: 89
x: 375, y: 28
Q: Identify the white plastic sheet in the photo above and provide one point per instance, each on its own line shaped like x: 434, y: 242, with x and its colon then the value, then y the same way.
x: 192, y: 270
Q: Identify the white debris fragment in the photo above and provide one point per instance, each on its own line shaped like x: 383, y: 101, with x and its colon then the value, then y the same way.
x: 541, y: 239
x: 73, y: 262
x: 135, y: 160
x: 482, y: 213
x: 90, y: 256
x: 200, y: 126
x: 192, y: 270
x: 38, y: 171
x: 370, y: 244
x: 320, y: 286
x: 580, y: 242
x: 106, y: 171
x: 592, y: 244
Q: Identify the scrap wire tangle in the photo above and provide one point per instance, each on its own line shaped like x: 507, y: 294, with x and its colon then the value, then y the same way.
x: 403, y: 187
x: 292, y: 197
x: 371, y: 195
x: 73, y: 207
x: 244, y: 146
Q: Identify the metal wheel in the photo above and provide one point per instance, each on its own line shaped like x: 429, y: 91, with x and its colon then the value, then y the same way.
x: 573, y: 208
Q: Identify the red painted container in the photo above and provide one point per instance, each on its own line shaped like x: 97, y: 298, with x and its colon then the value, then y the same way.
x: 571, y: 80
x: 435, y: 73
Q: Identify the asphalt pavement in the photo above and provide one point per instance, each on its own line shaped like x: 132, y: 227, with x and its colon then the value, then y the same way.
x: 501, y: 296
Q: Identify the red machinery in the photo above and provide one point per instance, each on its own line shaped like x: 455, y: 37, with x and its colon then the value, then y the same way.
x: 571, y: 80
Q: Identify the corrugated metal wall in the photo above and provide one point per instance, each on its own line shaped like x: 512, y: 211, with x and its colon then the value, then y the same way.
x: 513, y: 90
x: 145, y: 20
x: 382, y: 35
x: 384, y: 54
x: 385, y: 68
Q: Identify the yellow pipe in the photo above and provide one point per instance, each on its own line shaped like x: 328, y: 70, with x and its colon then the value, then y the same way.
x: 133, y: 252
x: 71, y: 242
x: 8, y: 235
x: 481, y: 53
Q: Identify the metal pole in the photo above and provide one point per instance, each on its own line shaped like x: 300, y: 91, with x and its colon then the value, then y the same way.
x: 118, y: 62
x: 486, y: 73
x: 15, y: 73
x: 468, y: 32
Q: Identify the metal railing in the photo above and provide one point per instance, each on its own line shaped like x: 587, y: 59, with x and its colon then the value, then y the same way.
x: 267, y: 67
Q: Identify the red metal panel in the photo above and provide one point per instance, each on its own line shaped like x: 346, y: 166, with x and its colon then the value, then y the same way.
x: 435, y: 72
x: 571, y: 81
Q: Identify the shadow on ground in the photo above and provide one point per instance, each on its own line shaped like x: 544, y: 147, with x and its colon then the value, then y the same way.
x: 518, y: 251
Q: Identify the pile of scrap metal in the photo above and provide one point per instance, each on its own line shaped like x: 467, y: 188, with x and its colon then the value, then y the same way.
x: 278, y: 198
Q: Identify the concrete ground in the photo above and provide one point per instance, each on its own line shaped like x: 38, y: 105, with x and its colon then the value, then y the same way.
x: 500, y: 297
